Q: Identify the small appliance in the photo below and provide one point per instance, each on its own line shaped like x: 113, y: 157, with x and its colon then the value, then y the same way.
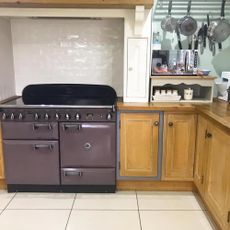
x: 223, y: 84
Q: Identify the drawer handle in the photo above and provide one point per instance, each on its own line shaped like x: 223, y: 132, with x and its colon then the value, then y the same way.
x: 72, y: 172
x: 38, y: 146
x: 77, y: 127
x: 37, y: 126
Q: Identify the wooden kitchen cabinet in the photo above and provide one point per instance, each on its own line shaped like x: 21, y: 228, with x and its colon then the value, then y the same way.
x: 78, y: 3
x: 179, y: 146
x: 212, y: 172
x: 139, y: 133
x: 217, y: 178
x: 201, y: 153
x: 2, y: 176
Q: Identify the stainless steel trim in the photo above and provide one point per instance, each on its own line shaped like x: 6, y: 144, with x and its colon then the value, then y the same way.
x: 72, y: 172
x: 58, y: 106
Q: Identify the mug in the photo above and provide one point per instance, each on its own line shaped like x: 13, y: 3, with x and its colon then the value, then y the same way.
x: 188, y: 94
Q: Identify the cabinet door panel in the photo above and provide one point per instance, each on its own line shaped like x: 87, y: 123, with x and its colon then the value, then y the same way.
x: 179, y: 146
x: 139, y: 145
x: 217, y: 187
x: 201, y: 154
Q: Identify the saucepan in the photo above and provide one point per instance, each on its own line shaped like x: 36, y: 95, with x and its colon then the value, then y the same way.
x: 187, y: 25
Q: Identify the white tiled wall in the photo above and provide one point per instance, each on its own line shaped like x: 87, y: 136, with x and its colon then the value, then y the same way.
x: 7, y: 86
x: 68, y: 51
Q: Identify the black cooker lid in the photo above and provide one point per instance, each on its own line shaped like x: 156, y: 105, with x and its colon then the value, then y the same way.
x: 69, y: 94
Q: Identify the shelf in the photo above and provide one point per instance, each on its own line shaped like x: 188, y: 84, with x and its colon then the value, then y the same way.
x: 129, y: 4
x: 178, y: 77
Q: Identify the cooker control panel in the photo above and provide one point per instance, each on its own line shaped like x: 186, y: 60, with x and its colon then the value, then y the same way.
x: 40, y: 115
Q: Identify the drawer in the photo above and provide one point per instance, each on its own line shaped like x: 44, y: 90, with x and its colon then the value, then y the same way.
x: 29, y: 130
x: 88, y: 176
x: 31, y: 162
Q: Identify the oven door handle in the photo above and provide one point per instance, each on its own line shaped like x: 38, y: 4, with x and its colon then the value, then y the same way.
x: 37, y: 126
x: 78, y: 127
x: 40, y: 146
x: 72, y: 172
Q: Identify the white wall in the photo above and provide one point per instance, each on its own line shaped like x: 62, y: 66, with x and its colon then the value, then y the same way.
x: 83, y: 51
x: 7, y: 84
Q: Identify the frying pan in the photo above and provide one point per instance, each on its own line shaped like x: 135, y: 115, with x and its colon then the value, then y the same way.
x: 219, y: 31
x: 187, y: 25
x: 169, y: 23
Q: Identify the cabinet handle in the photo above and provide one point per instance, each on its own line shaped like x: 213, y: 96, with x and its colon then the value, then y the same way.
x: 77, y: 127
x: 207, y: 134
x: 37, y: 147
x: 156, y: 123
x: 72, y: 172
x: 170, y: 124
x: 228, y: 217
x: 202, y: 180
x: 37, y: 126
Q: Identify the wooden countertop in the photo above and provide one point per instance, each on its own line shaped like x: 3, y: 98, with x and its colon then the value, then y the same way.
x: 162, y: 106
x: 218, y: 111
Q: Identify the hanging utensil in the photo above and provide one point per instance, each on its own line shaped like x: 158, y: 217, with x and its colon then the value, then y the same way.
x: 187, y: 25
x: 169, y: 23
x: 178, y: 38
x: 219, y: 31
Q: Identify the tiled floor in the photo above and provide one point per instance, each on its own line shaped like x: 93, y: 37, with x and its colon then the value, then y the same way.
x: 119, y: 211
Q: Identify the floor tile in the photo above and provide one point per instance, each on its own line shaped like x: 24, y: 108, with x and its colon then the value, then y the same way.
x: 174, y: 220
x: 42, y: 201
x: 167, y: 201
x: 34, y: 219
x: 107, y: 201
x: 103, y: 220
x: 5, y: 198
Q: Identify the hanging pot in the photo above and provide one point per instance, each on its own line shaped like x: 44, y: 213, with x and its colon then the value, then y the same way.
x: 187, y: 25
x: 169, y: 23
x: 219, y: 31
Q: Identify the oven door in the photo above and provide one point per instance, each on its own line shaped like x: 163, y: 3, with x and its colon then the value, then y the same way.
x: 88, y: 144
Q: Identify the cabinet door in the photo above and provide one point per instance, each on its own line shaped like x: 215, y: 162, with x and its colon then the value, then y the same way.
x: 139, y: 144
x: 217, y: 187
x: 201, y: 153
x: 179, y: 146
x: 1, y: 157
x: 137, y: 82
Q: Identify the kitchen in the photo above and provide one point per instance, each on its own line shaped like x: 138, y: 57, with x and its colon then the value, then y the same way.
x: 58, y: 44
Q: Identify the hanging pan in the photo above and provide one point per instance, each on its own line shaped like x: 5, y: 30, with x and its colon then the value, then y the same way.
x: 187, y: 25
x: 219, y: 31
x: 169, y: 23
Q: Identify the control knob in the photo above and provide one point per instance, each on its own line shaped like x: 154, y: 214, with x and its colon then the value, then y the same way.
x: 67, y: 116
x: 36, y: 116
x: 109, y: 116
x: 20, y: 116
x: 3, y: 116
x: 89, y: 116
x: 78, y: 116
x: 12, y: 116
x: 46, y: 116
x: 57, y: 116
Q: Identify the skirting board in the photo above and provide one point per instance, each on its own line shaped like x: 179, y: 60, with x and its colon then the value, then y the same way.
x: 156, y: 185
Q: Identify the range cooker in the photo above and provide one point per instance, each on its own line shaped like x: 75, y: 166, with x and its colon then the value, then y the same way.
x: 60, y: 138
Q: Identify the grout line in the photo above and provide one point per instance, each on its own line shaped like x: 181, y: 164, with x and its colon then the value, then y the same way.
x: 138, y: 211
x: 8, y: 203
x: 70, y: 211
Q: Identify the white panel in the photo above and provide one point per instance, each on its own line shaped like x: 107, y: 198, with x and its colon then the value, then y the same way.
x: 137, y: 67
x: 7, y: 88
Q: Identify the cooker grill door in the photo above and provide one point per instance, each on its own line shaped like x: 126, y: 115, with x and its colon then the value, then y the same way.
x: 87, y: 144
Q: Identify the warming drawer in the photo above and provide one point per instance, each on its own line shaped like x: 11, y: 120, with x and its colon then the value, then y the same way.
x: 31, y: 162
x: 29, y: 130
x: 88, y: 176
